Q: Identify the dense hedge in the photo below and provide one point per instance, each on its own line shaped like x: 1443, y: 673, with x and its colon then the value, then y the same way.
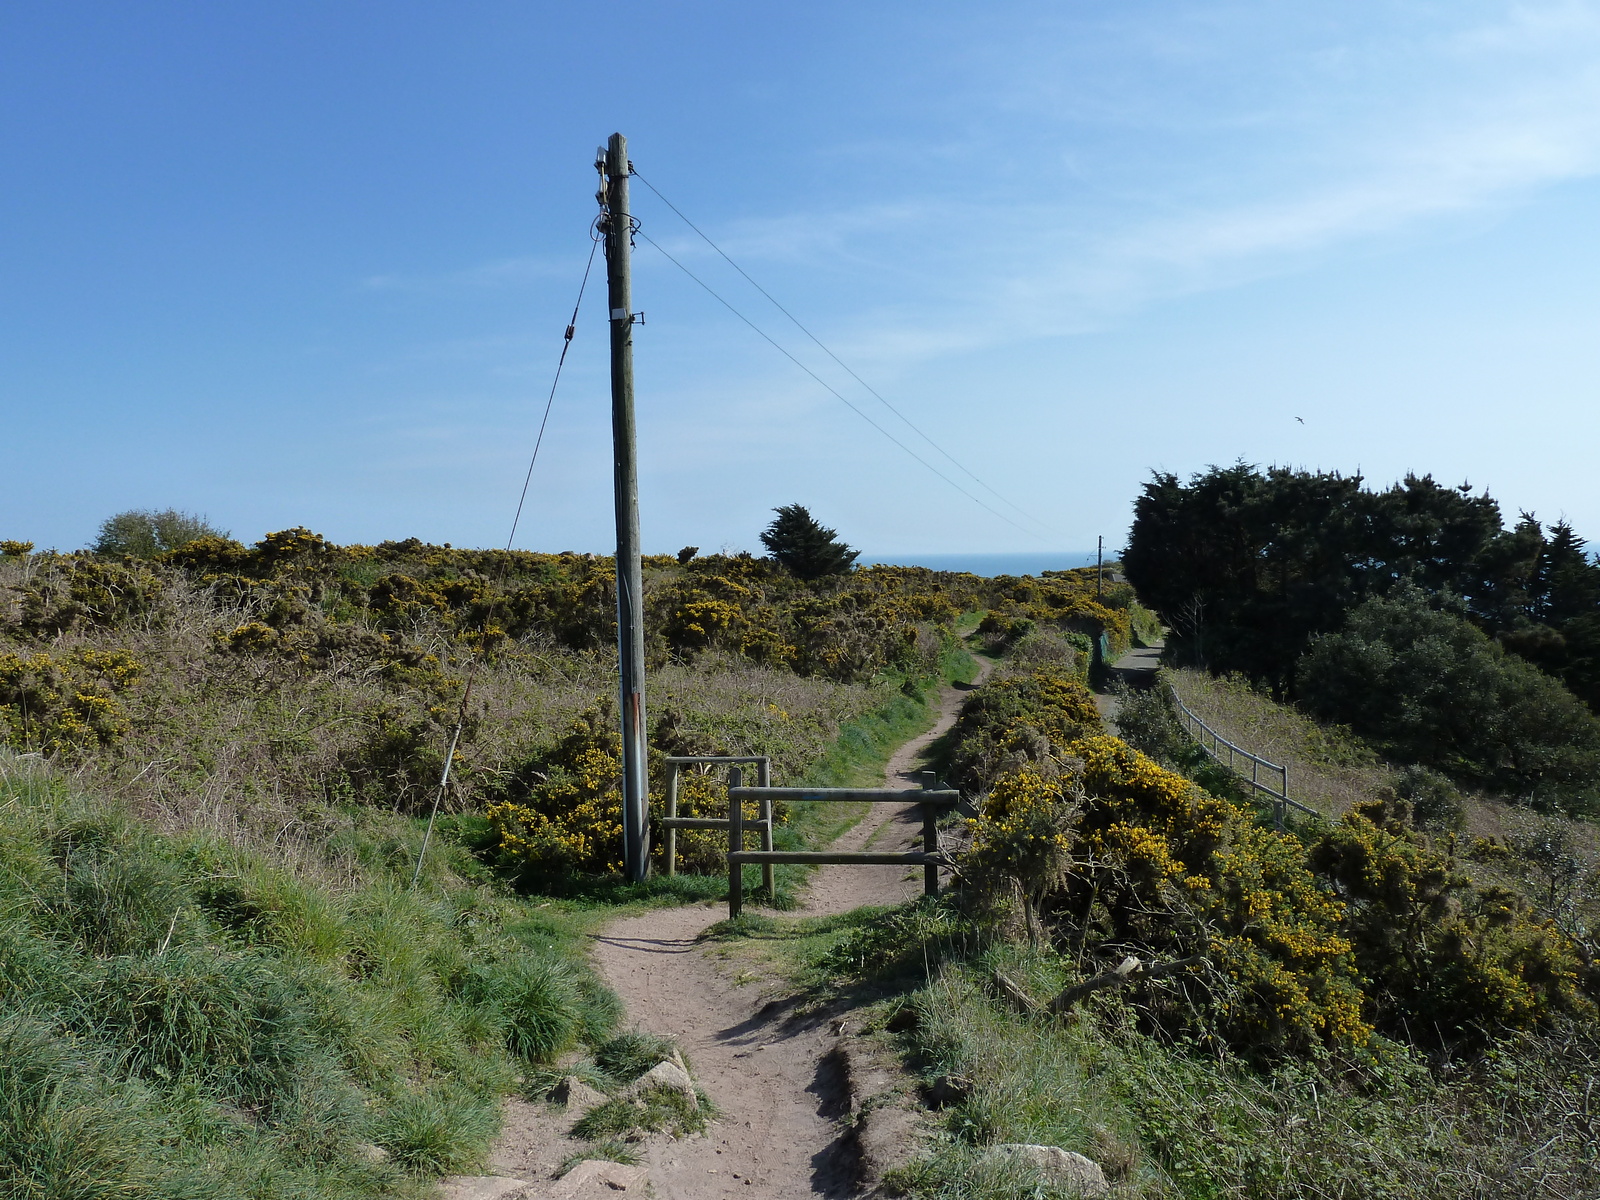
x: 1301, y: 942
x: 1431, y: 688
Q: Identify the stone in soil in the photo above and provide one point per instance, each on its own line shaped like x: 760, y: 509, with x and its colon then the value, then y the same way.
x: 1065, y: 1168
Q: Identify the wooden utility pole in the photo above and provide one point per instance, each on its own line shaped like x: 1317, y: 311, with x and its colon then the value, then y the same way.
x: 617, y: 225
x: 1099, y: 565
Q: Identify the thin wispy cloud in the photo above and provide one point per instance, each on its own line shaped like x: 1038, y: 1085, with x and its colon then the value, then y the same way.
x: 1342, y: 140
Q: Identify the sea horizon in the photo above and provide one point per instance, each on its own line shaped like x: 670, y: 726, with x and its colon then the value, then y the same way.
x: 987, y: 564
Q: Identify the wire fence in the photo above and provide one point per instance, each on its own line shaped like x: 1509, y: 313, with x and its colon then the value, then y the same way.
x: 1237, y: 759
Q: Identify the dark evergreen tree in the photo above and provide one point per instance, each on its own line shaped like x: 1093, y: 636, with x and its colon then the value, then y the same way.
x: 804, y: 547
x: 1430, y: 687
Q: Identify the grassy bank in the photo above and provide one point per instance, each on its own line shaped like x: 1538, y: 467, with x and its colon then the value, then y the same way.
x: 1329, y: 769
x: 182, y: 1017
x: 1163, y: 1119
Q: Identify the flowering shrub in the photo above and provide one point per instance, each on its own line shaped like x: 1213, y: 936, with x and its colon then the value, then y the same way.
x: 1306, y: 945
x: 562, y: 812
x: 1438, y: 950
x: 73, y: 590
x: 1114, y: 850
x: 1066, y: 600
x: 1023, y: 834
x: 63, y: 704
x: 1015, y: 719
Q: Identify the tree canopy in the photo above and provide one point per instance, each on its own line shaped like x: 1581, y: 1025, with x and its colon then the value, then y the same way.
x: 804, y: 547
x: 145, y: 533
x: 1431, y: 688
x: 1247, y: 566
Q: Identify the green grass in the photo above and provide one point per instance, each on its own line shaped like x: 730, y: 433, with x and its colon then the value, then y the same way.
x: 1162, y: 1118
x: 184, y: 1017
x: 655, y: 1110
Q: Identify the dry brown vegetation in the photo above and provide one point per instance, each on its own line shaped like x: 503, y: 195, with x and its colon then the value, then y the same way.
x: 1329, y: 769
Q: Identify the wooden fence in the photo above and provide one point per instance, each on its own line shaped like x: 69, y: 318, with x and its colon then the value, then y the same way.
x: 672, y: 822
x: 929, y: 796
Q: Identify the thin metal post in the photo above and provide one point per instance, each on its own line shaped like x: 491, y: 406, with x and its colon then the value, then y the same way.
x: 764, y: 779
x: 735, y: 843
x: 672, y: 811
x: 618, y: 227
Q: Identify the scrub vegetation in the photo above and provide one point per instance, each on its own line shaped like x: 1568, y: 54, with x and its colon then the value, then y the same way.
x: 1356, y: 1010
x: 1384, y: 1002
x: 217, y: 976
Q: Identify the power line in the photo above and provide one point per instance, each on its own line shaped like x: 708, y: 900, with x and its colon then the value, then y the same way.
x: 824, y: 348
x: 838, y: 394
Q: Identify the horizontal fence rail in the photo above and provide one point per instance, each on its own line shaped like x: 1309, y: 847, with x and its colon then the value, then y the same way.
x: 882, y: 858
x: 932, y: 798
x: 944, y: 798
x: 1216, y: 746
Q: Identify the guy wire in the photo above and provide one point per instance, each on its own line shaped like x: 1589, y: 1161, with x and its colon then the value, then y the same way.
x: 488, y: 618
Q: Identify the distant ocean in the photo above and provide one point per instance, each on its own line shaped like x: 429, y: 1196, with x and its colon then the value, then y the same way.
x: 985, y: 564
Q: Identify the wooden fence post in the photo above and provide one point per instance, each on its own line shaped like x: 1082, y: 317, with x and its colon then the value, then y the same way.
x: 930, y: 837
x: 764, y: 779
x: 672, y: 811
x: 735, y: 844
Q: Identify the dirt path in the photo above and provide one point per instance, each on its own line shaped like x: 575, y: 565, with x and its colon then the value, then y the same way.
x: 1136, y: 668
x: 777, y: 1136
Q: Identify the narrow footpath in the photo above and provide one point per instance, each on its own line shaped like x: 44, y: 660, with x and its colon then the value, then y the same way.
x: 777, y: 1137
x: 1137, y: 668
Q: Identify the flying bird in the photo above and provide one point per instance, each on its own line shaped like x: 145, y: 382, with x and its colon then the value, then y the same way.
x: 1302, y: 420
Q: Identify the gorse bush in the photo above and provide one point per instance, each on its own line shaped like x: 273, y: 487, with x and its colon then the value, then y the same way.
x: 1297, y: 945
x: 1438, y: 952
x: 1015, y: 719
x: 281, y: 683
x: 65, y: 704
x: 562, y: 812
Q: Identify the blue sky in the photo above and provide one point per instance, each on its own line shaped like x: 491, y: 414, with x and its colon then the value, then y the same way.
x: 310, y: 263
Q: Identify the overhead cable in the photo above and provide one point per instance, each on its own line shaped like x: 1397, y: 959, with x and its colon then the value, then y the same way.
x: 842, y: 398
x: 826, y: 350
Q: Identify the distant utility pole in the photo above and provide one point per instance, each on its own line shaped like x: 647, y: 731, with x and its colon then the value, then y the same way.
x: 1099, y: 566
x: 617, y: 225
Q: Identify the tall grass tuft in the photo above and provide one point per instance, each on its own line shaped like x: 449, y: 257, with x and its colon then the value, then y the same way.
x: 537, y: 1000
x: 437, y: 1132
x: 187, y: 1019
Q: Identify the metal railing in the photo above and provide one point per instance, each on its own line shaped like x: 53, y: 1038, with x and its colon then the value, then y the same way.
x: 1215, y: 746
